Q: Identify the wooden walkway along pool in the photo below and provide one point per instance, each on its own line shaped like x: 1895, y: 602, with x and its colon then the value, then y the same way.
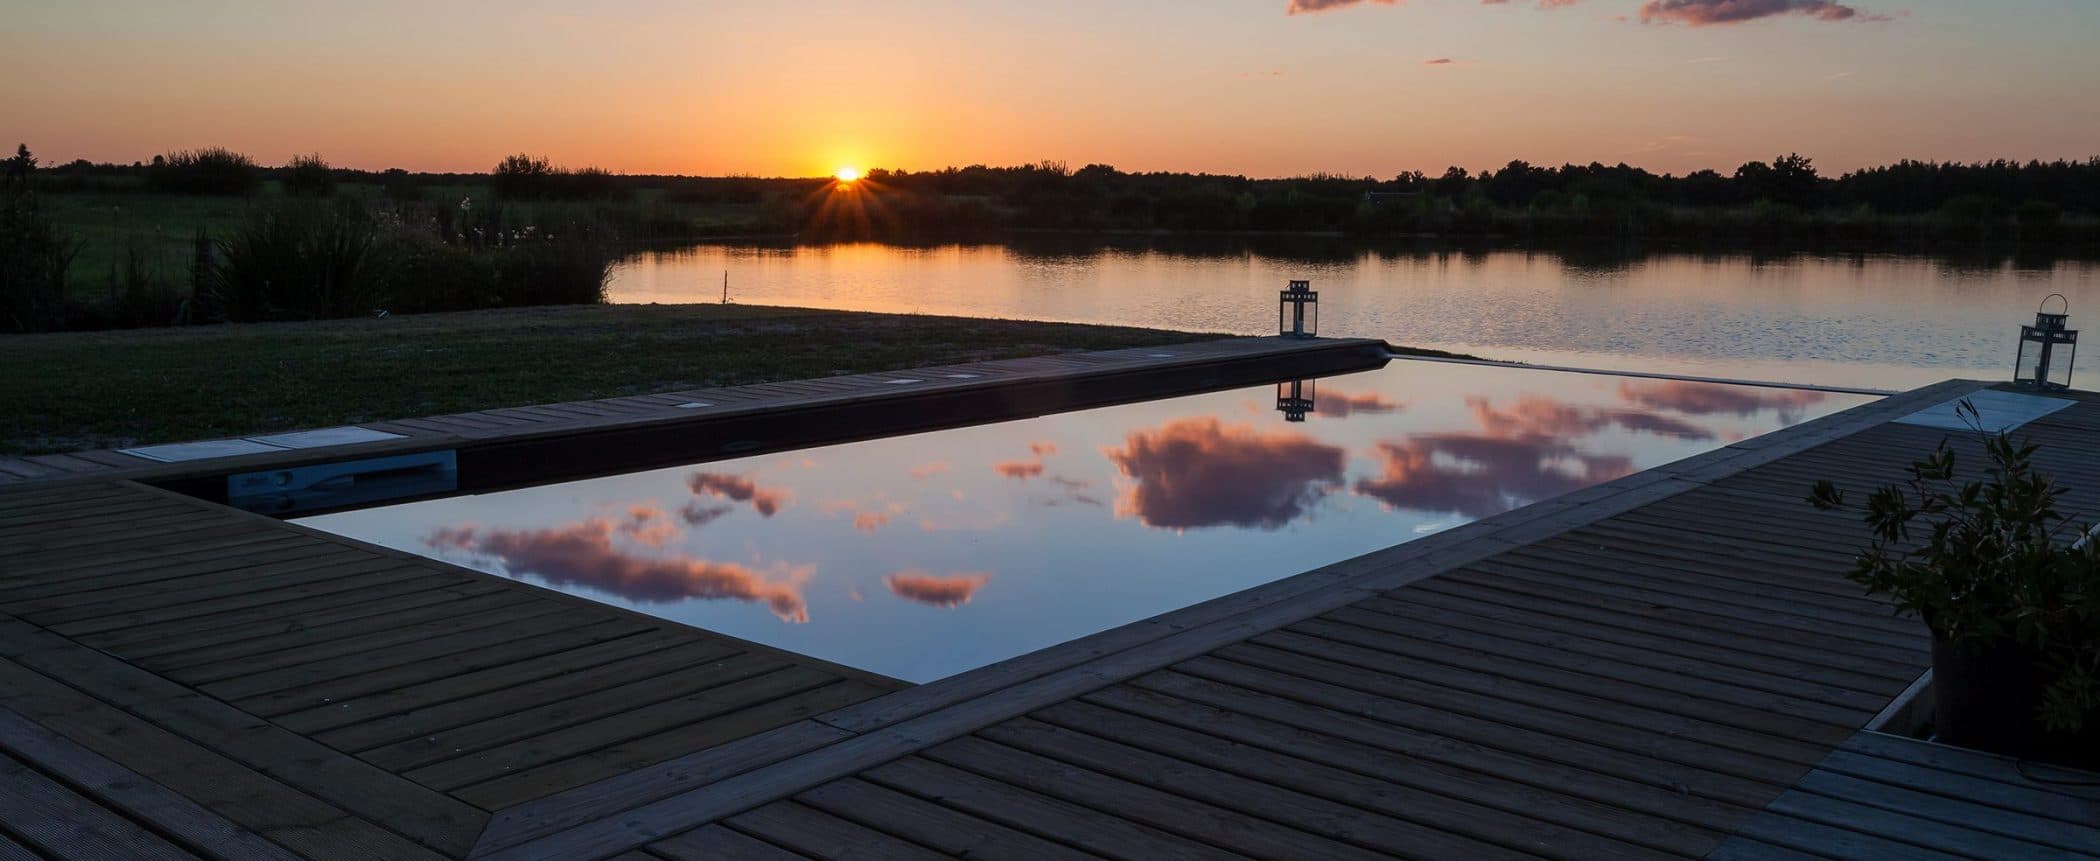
x: 1670, y: 665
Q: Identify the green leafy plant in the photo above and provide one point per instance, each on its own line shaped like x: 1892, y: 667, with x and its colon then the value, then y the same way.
x: 1998, y: 563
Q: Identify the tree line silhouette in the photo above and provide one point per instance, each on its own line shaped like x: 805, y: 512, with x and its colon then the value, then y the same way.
x: 1785, y: 199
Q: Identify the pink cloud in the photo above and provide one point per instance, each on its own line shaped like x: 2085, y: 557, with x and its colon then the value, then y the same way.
x: 1536, y: 416
x: 1702, y: 13
x: 1701, y: 399
x: 649, y: 526
x: 736, y: 488
x: 1305, y: 7
x: 1335, y: 405
x: 932, y: 590
x: 1200, y: 472
x: 1479, y: 474
x: 695, y: 514
x: 583, y: 554
x: 1019, y: 469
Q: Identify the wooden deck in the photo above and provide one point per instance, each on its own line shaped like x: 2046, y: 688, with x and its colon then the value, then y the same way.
x: 289, y: 679
x: 1670, y: 665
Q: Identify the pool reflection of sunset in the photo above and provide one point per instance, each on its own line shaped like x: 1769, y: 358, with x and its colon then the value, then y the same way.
x: 989, y: 541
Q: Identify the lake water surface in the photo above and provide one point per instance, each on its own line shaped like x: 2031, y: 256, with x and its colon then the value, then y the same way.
x: 1867, y: 320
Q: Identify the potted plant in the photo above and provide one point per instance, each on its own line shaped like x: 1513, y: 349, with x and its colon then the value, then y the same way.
x: 2010, y: 590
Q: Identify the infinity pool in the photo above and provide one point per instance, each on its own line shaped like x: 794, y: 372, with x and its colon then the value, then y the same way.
x: 919, y: 557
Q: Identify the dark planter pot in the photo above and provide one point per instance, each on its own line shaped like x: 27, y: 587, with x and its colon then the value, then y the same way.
x: 1990, y: 699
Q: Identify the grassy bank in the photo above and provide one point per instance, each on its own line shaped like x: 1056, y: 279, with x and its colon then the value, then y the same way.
x: 112, y: 229
x: 70, y: 391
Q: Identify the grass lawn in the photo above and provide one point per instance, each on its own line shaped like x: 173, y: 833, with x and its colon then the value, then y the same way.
x: 70, y: 391
x: 161, y: 229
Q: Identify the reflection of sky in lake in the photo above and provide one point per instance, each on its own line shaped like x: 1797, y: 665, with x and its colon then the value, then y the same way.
x: 922, y: 556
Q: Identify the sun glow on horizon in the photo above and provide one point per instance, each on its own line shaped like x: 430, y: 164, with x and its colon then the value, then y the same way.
x: 847, y: 174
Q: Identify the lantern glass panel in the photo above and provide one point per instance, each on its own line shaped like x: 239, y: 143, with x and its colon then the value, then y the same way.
x: 2060, y: 352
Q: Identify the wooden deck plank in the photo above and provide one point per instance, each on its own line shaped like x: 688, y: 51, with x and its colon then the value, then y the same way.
x: 89, y: 579
x: 428, y: 817
x: 717, y: 842
x: 262, y: 803
x: 1954, y: 839
x: 311, y: 686
x: 278, y: 567
x: 1466, y: 596
x: 715, y: 666
x: 931, y: 825
x: 383, y: 717
x: 65, y: 824
x: 1115, y: 797
x: 996, y: 801
x: 1625, y: 648
x: 591, y: 673
x: 821, y: 835
x: 282, y: 627
x: 1642, y: 812
x: 1451, y: 820
x: 2030, y: 799
x: 136, y: 796
x: 744, y: 721
x: 352, y: 577
x: 1545, y: 572
x: 1753, y: 638
x: 1265, y: 796
x: 1656, y: 758
x: 2016, y: 824
x: 1553, y: 698
x: 320, y: 642
x: 551, y: 823
x: 252, y: 620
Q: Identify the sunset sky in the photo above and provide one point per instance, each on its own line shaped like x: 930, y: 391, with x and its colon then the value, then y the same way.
x: 1256, y: 87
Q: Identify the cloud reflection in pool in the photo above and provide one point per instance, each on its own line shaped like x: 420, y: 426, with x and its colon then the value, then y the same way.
x: 1033, y: 532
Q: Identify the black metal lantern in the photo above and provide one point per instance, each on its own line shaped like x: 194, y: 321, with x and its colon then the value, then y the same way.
x: 1296, y: 399
x: 2040, y: 365
x: 1293, y: 303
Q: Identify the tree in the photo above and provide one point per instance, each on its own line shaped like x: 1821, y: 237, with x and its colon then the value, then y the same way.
x: 20, y: 167
x: 309, y: 176
x: 521, y: 176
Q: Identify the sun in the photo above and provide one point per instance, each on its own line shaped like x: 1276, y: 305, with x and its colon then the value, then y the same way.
x: 847, y: 174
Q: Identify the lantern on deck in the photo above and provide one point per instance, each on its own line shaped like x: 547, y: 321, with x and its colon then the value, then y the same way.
x: 1292, y: 304
x: 2041, y: 365
x: 1295, y: 399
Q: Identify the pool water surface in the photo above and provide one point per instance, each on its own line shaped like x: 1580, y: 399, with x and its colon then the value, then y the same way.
x: 918, y: 557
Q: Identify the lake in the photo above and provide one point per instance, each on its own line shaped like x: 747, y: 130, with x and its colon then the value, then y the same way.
x: 1866, y: 320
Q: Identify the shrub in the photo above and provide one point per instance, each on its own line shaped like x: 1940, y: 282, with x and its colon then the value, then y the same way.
x: 424, y: 275
x: 33, y: 263
x: 567, y: 269
x: 206, y: 171
x: 298, y: 260
x: 308, y: 176
x: 1997, y: 565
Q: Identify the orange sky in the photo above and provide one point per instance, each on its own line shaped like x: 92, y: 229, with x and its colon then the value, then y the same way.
x: 1258, y: 87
